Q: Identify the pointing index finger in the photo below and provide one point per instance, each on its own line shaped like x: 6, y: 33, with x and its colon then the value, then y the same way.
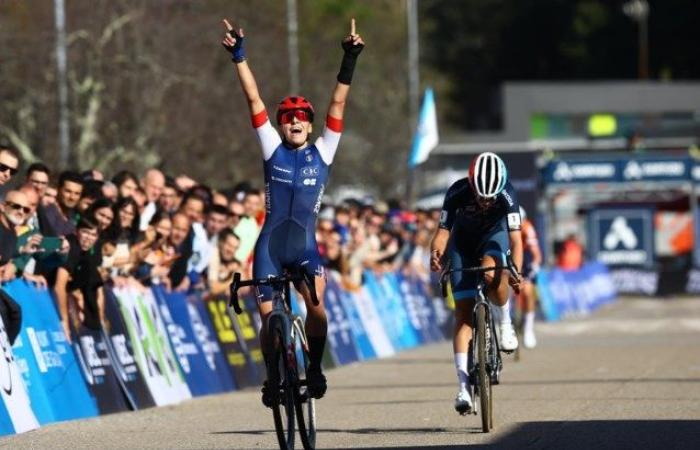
x: 352, y: 27
x: 227, y: 25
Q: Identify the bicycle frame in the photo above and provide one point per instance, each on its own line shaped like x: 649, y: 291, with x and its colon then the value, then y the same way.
x: 494, y: 364
x: 285, y: 328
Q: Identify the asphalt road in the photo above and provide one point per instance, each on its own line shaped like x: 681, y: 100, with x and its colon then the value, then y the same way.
x: 626, y: 377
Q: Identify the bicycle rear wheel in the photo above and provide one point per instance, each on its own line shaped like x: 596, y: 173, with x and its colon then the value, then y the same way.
x: 305, y: 404
x: 482, y: 343
x: 284, y: 378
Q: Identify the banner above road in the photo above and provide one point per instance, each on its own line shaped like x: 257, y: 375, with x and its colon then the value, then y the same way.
x: 621, y: 170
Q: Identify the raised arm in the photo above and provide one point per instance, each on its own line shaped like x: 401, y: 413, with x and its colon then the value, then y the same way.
x: 352, y: 46
x: 233, y: 42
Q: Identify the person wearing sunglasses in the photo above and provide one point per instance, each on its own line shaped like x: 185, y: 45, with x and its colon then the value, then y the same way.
x: 9, y: 163
x: 15, y: 210
x: 296, y: 174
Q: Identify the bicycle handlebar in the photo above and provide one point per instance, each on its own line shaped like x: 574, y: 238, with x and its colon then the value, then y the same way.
x: 278, y: 281
x: 510, y: 267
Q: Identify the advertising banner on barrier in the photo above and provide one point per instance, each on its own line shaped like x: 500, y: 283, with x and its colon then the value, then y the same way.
x: 94, y: 358
x: 367, y: 312
x: 204, y: 336
x: 574, y: 293
x: 390, y: 310
x: 124, y: 358
x: 16, y: 415
x: 201, y: 378
x: 365, y: 350
x: 405, y: 321
x: 238, y: 339
x: 340, y: 338
x: 420, y: 308
x: 622, y: 236
x: 152, y: 350
x: 56, y: 387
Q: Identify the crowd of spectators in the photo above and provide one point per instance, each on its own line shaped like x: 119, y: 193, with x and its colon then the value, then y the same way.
x: 73, y: 232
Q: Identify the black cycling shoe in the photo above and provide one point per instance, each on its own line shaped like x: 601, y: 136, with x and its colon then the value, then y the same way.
x: 316, y: 383
x: 268, y: 398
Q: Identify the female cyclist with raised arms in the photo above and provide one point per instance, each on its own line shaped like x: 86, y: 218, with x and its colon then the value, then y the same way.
x: 296, y: 174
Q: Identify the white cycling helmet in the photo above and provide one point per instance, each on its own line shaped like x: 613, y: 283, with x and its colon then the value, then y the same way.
x: 488, y: 175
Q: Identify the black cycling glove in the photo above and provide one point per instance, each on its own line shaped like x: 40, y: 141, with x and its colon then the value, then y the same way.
x: 347, y: 66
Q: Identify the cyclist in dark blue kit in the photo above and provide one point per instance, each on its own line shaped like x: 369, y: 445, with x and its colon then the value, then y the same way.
x: 479, y: 226
x: 296, y: 174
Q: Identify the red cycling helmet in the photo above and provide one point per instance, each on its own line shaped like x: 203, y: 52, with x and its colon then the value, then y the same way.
x: 293, y: 102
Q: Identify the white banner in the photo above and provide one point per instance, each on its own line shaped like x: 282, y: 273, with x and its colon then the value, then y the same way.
x: 152, y: 350
x: 13, y: 390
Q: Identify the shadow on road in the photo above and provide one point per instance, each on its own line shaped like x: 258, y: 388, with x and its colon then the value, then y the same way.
x: 595, y: 434
x: 406, y: 431
x: 408, y: 361
x: 523, y: 383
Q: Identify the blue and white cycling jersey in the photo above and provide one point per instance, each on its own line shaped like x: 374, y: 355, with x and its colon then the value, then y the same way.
x: 294, y: 183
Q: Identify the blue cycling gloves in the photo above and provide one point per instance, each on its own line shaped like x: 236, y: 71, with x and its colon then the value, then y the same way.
x: 237, y: 50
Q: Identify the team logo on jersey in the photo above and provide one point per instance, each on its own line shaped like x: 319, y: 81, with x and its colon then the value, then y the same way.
x: 508, y: 197
x: 443, y: 217
x: 282, y: 169
x: 317, y: 206
x: 281, y: 180
x: 309, y: 171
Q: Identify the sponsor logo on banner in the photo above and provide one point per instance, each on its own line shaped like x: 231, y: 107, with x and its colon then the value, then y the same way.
x: 152, y: 351
x: 565, y: 172
x: 203, y: 335
x: 695, y: 172
x: 631, y: 281
x: 238, y: 341
x: 340, y: 337
x: 574, y: 293
x: 622, y: 237
x: 637, y: 170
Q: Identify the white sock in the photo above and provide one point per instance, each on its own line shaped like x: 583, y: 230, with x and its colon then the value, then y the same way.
x: 529, y: 322
x: 462, y: 374
x: 505, y: 312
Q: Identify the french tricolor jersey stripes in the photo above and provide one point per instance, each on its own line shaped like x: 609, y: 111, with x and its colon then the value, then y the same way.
x: 295, y: 178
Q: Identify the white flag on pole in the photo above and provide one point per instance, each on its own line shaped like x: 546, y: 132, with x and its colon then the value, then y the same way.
x: 426, y: 137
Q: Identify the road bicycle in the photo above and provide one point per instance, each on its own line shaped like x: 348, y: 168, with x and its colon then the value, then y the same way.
x: 486, y: 363
x: 289, y: 360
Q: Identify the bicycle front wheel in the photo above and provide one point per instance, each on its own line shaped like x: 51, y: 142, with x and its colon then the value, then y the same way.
x: 305, y: 404
x: 284, y: 378
x: 482, y: 343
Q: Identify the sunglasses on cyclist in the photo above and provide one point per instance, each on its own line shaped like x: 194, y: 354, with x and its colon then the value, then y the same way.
x: 5, y: 168
x: 300, y: 114
x: 17, y: 207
